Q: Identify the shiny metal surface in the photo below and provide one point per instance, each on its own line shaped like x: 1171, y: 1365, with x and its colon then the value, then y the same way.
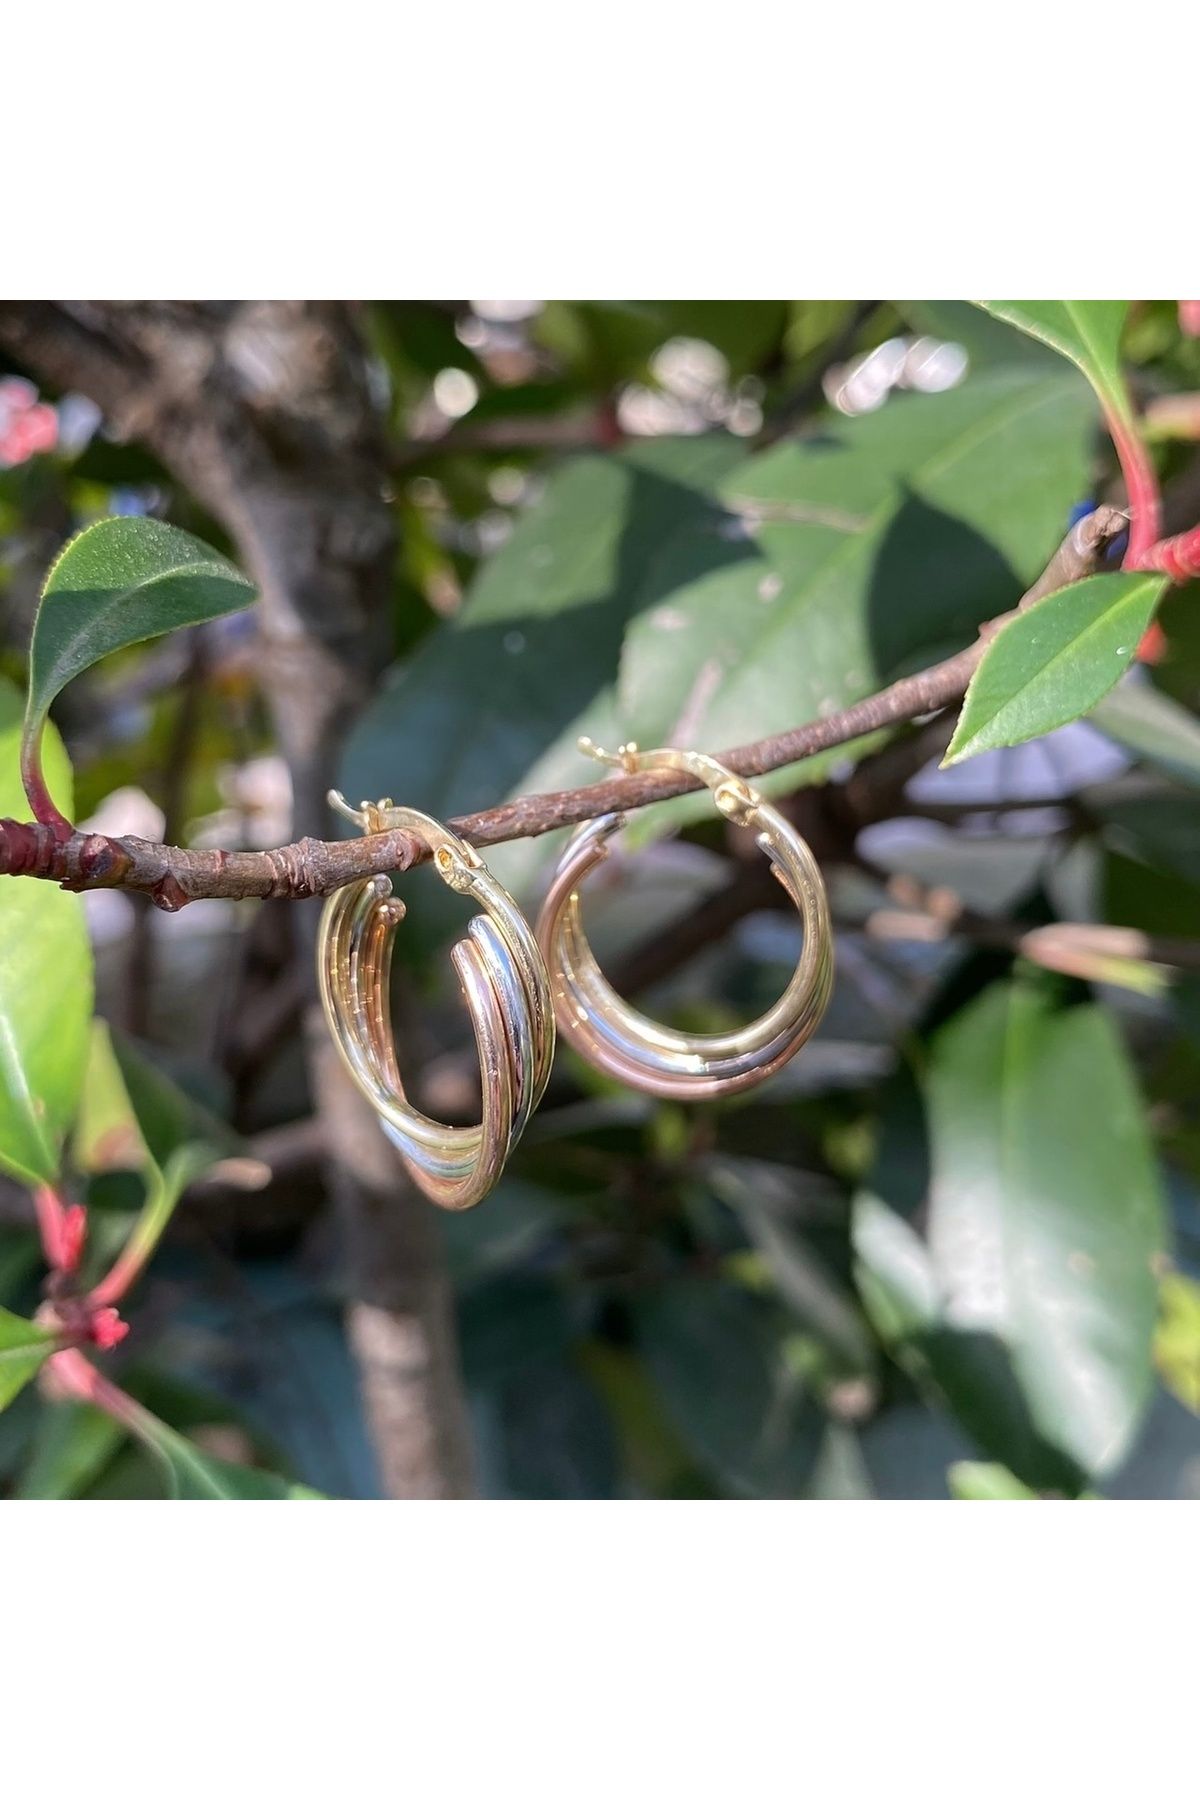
x: 610, y: 1033
x: 505, y: 987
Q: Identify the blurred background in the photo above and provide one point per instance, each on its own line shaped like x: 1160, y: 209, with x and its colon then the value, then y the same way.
x: 954, y: 1246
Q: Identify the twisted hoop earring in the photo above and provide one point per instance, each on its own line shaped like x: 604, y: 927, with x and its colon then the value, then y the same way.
x: 607, y: 1031
x: 504, y: 984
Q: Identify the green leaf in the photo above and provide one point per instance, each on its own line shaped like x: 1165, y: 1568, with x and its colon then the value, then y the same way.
x: 720, y: 1359
x: 117, y: 583
x: 24, y: 1347
x: 841, y: 1471
x: 132, y: 1117
x: 1066, y: 1170
x: 1086, y: 331
x: 20, y: 1261
x: 769, y: 1200
x: 657, y: 1465
x: 986, y: 1481
x: 1159, y: 826
x: 1153, y: 727
x: 987, y: 341
x: 850, y: 556
x: 72, y: 1445
x: 1044, y: 1222
x: 1054, y: 661
x: 45, y: 981
x: 544, y: 1434
x: 952, y: 1362
x: 492, y: 703
x: 1177, y: 1340
x: 607, y: 341
x: 72, y: 1459
x: 131, y: 1112
x: 194, y: 1475
x: 1145, y: 899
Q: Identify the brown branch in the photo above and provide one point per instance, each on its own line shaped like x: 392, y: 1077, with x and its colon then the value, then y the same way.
x: 173, y: 876
x: 791, y: 409
x: 563, y: 432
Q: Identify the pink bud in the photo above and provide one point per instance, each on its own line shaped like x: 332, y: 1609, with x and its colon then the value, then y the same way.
x: 107, y: 1328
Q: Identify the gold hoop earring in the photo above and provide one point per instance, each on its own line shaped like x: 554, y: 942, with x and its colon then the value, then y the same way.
x: 504, y: 984
x: 607, y: 1031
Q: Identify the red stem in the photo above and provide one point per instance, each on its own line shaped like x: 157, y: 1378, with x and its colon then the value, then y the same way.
x: 120, y: 1278
x: 1141, y: 486
x: 1176, y: 557
x: 77, y: 1379
x: 36, y: 791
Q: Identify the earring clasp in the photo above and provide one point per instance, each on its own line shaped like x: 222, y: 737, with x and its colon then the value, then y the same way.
x: 456, y: 861
x: 734, y: 798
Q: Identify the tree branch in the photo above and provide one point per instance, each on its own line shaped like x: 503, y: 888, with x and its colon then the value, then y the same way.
x: 929, y: 915
x: 312, y: 866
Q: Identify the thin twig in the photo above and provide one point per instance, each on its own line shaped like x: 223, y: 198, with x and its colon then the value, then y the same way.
x: 312, y: 866
x: 931, y: 915
x: 792, y: 408
x: 563, y: 432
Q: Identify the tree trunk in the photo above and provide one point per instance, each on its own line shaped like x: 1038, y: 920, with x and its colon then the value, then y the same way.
x: 262, y: 410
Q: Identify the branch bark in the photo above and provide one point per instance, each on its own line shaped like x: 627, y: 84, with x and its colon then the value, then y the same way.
x: 313, y: 866
x: 262, y: 411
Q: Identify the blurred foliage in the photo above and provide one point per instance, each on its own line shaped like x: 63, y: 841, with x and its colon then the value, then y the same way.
x: 954, y: 1248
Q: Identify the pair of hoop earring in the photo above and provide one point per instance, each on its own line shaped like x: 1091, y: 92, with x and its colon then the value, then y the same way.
x: 517, y: 985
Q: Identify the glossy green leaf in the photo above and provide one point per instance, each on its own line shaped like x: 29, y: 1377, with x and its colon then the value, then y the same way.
x: 1044, y: 1220
x: 1062, y: 1165
x: 986, y: 1481
x: 1086, y: 331
x: 954, y: 1360
x: 493, y: 702
x: 117, y: 583
x: 1054, y: 661
x: 45, y: 980
x: 24, y: 1347
x: 848, y: 557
